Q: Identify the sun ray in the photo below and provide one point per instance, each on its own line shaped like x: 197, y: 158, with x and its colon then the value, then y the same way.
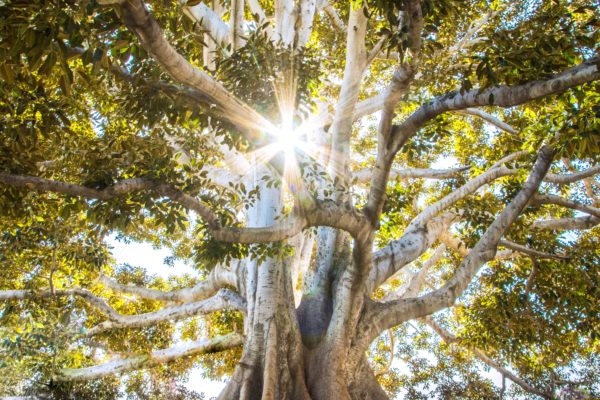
x: 291, y: 137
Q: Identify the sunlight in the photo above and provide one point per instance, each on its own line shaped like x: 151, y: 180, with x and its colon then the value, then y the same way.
x: 286, y: 138
x: 290, y: 137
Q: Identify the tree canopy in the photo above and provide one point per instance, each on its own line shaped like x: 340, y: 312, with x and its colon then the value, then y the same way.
x: 379, y: 198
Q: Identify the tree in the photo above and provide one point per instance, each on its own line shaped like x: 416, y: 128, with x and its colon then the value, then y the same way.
x: 288, y: 151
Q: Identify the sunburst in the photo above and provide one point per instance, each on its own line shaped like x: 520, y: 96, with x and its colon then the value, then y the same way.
x: 293, y: 138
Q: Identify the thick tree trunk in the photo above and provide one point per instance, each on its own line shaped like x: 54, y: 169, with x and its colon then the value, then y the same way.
x: 288, y: 353
x: 277, y: 365
x: 272, y: 362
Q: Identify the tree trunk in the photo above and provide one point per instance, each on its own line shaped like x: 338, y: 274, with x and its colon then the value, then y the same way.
x: 276, y: 364
x: 287, y: 352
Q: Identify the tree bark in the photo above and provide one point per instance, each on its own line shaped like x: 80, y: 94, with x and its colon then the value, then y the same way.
x: 287, y: 353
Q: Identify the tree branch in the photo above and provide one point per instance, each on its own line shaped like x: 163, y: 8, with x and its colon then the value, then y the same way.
x: 364, y: 175
x: 417, y: 279
x: 509, y: 158
x: 398, y: 253
x: 334, y: 17
x: 560, y: 201
x: 489, y: 118
x: 372, y: 54
x: 568, y: 224
x: 369, y: 105
x: 468, y: 188
x: 502, y: 96
x: 307, y: 14
x: 570, y: 178
x: 461, y: 248
x: 411, y: 19
x: 285, y: 18
x: 423, y: 230
x: 138, y: 20
x: 530, y: 252
x: 354, y: 68
x: 218, y: 278
x: 386, y: 315
x: 92, y: 299
x: 256, y: 9
x: 190, y: 94
x: 157, y: 357
x: 224, y: 300
x: 319, y: 214
x: 120, y: 188
x: 588, y: 183
x: 450, y: 339
x: 236, y: 21
x: 210, y: 21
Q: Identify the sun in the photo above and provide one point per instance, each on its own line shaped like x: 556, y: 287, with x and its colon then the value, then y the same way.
x: 287, y: 139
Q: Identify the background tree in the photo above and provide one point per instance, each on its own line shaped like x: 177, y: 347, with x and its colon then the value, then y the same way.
x: 287, y: 150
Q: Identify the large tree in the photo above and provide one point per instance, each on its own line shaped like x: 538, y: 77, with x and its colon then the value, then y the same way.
x: 288, y: 151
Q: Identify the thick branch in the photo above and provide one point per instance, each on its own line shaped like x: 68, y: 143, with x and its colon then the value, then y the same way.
x: 236, y: 21
x: 307, y: 14
x: 85, y: 294
x: 355, y: 64
x: 570, y: 178
x: 334, y: 17
x: 257, y: 10
x: 224, y: 300
x: 399, y: 253
x: 411, y: 19
x: 118, y: 189
x: 320, y: 214
x: 216, y: 279
x: 369, y: 106
x: 392, y: 313
x: 157, y: 357
x: 285, y: 18
x: 568, y: 224
x: 502, y: 96
x: 215, y: 27
x: 424, y: 230
x: 138, y: 19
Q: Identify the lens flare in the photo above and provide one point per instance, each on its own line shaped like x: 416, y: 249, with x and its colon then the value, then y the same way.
x: 291, y: 138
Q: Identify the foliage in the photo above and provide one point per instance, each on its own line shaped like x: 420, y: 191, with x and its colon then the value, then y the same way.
x: 66, y: 115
